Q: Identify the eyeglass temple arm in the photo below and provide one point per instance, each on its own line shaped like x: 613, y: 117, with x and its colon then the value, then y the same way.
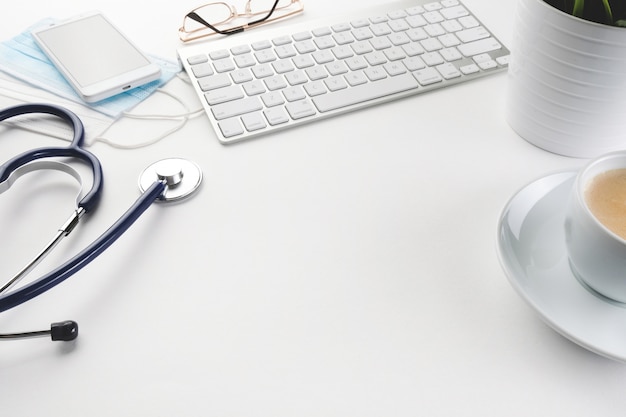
x: 197, y: 18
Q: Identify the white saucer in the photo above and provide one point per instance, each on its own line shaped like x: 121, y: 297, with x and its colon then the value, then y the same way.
x: 531, y: 248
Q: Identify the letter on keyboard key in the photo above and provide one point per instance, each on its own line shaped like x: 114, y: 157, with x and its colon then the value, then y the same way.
x: 364, y: 92
x: 236, y: 108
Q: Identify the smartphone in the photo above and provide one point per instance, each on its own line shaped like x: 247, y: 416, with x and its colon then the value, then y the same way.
x: 95, y: 57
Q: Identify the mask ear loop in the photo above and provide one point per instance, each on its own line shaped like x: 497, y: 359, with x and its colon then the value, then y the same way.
x: 182, y: 117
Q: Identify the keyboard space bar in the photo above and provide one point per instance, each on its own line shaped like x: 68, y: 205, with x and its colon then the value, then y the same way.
x: 364, y: 92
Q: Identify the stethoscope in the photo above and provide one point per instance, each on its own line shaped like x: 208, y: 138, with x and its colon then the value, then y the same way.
x: 166, y: 180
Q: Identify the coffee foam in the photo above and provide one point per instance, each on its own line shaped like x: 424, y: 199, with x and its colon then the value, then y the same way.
x: 605, y: 196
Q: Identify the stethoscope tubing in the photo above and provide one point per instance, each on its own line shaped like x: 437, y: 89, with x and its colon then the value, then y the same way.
x: 60, y: 274
x: 91, y: 199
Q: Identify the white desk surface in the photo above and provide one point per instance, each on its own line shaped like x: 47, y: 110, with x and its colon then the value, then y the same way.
x: 345, y: 268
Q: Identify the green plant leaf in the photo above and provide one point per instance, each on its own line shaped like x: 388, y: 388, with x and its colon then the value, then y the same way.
x: 578, y: 9
x: 607, y: 10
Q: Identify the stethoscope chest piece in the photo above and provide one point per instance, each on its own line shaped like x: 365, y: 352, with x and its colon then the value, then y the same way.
x: 181, y: 177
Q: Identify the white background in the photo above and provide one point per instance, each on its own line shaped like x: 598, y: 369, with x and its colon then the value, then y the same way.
x: 344, y: 268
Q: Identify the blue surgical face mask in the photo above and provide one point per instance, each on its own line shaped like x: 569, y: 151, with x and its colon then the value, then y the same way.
x: 23, y: 59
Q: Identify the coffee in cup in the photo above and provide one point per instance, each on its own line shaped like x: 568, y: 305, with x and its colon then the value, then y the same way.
x: 605, y: 195
x: 595, y: 226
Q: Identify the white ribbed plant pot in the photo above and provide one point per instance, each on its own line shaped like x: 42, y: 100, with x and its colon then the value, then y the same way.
x: 567, y: 82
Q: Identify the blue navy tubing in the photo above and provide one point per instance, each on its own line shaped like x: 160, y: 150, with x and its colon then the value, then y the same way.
x: 63, y: 272
x: 91, y: 199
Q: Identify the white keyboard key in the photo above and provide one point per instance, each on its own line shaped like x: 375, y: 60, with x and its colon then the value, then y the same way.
x: 427, y: 76
x: 222, y: 95
x: 241, y: 49
x: 342, y: 52
x: 241, y: 76
x: 323, y: 57
x: 316, y: 73
x: 323, y: 31
x: 362, y: 34
x: 230, y: 128
x: 244, y: 61
x: 432, y: 59
x: 224, y: 65
x: 375, y: 73
x: 315, y: 88
x: 451, y: 54
x: 473, y: 34
x: 303, y: 61
x: 283, y: 66
x: 487, y: 65
x: 253, y: 121
x: 197, y: 59
x: 415, y: 10
x: 468, y: 21
x: 253, y: 88
x: 414, y: 63
x: 479, y: 47
x: 359, y: 23
x: 448, y: 40
x: 364, y: 92
x: 286, y: 51
x: 275, y: 83
x: 448, y: 71
x: 264, y: 44
x: 356, y: 63
x: 265, y: 55
x: 281, y: 40
x: 272, y: 98
x: 236, y: 108
x: 431, y: 44
x: 335, y: 83
x: 355, y: 78
x: 433, y: 6
x: 202, y: 70
x: 294, y: 93
x: 296, y: 78
x: 300, y: 109
x: 416, y: 21
x: 454, y: 12
x: 469, y: 69
x: 219, y: 54
x: 276, y: 116
x: 262, y: 71
x: 433, y: 17
x: 394, y: 68
x: 213, y: 82
x: 503, y: 60
x: 301, y: 36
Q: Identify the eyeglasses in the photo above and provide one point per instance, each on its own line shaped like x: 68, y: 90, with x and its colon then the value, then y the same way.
x: 223, y: 18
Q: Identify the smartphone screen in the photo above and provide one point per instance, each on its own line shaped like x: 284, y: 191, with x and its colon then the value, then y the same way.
x: 95, y: 57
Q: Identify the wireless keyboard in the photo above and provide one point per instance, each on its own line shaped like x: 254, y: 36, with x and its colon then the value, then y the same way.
x: 264, y: 81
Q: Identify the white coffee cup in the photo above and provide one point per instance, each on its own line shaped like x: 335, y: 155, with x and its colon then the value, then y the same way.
x: 597, y: 254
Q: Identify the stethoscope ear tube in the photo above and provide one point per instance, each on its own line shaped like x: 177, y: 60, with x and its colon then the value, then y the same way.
x: 75, y: 150
x: 88, y: 254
